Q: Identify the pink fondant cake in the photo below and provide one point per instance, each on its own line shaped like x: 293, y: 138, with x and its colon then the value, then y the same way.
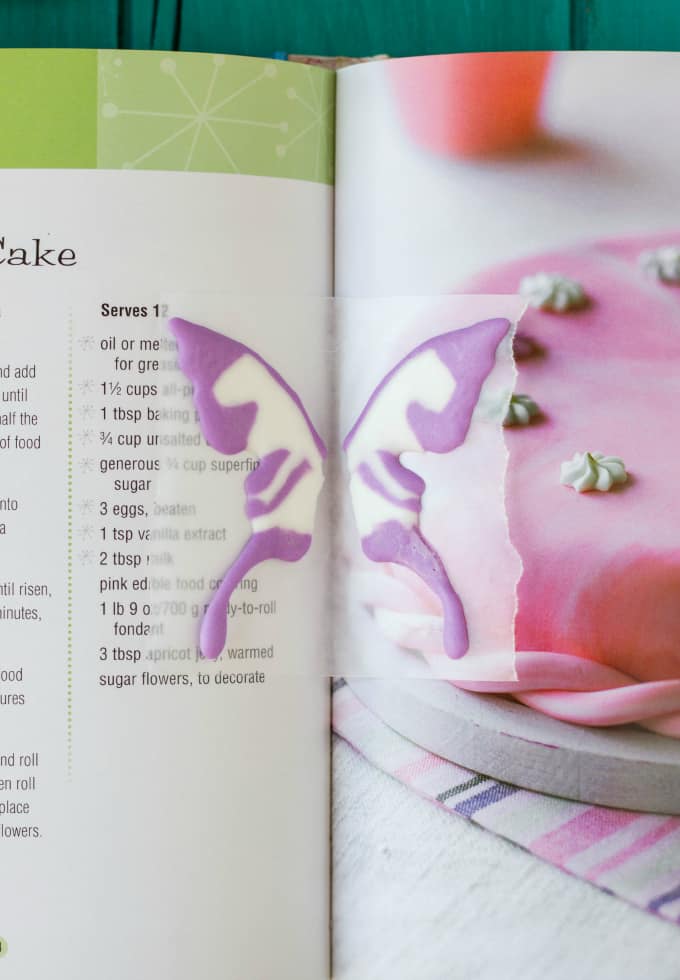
x: 597, y: 627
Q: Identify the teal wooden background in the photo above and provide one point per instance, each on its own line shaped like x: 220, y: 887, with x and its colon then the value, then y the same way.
x: 352, y: 27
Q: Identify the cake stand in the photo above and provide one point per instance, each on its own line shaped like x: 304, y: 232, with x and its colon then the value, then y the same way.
x: 624, y: 767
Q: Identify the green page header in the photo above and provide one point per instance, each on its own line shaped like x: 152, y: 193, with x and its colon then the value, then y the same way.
x: 152, y: 110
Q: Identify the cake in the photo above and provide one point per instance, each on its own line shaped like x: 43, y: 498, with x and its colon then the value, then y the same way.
x: 591, y: 491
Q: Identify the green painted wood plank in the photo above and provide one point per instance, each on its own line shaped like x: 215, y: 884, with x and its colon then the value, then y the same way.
x: 355, y: 27
x: 66, y: 24
x: 166, y: 23
x: 644, y: 25
x: 260, y: 27
x: 135, y: 23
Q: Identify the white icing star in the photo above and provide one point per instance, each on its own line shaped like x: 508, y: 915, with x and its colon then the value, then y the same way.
x: 663, y: 263
x: 521, y: 410
x: 548, y: 291
x: 593, y: 471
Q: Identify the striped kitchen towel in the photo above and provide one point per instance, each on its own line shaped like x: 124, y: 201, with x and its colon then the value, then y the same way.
x: 633, y: 855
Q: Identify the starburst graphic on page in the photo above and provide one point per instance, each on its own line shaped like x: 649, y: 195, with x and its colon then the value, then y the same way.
x: 215, y: 114
x: 109, y: 71
x: 317, y: 130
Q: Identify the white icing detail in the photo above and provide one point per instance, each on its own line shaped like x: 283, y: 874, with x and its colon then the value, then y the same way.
x: 388, y: 480
x: 547, y: 291
x: 279, y: 424
x: 521, y: 410
x: 371, y: 509
x: 663, y: 263
x: 593, y: 471
x: 268, y: 494
x: 423, y: 378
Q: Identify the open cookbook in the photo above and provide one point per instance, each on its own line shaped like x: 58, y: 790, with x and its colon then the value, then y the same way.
x: 366, y: 375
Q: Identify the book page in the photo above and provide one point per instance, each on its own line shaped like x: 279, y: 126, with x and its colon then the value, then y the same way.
x: 548, y: 177
x: 163, y: 717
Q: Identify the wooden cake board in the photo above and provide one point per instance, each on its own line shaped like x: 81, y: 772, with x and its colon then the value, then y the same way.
x: 618, y: 767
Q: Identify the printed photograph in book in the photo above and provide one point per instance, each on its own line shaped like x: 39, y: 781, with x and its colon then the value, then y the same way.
x: 549, y: 177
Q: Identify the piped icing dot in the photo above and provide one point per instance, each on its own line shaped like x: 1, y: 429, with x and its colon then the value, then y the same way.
x: 553, y: 292
x: 662, y: 263
x: 521, y: 410
x: 593, y: 471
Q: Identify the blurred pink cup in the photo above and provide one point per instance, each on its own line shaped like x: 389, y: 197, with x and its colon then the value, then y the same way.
x: 469, y: 105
